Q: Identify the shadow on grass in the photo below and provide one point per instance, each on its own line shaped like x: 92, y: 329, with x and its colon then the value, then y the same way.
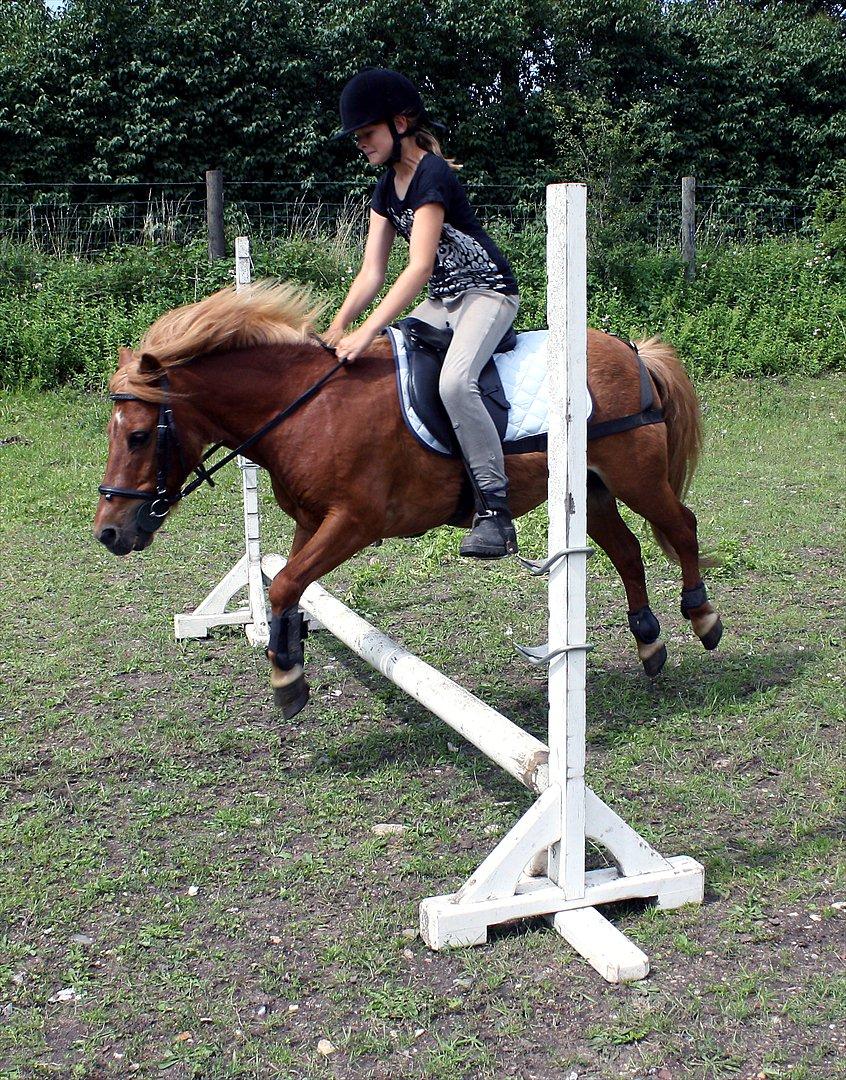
x: 412, y: 738
x: 738, y: 856
x: 618, y: 701
x: 417, y: 748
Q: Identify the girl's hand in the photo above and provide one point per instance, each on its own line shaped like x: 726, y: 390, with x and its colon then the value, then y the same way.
x: 333, y: 335
x: 351, y: 346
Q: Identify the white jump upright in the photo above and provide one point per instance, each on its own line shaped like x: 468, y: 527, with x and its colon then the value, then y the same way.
x: 247, y: 572
x: 538, y: 868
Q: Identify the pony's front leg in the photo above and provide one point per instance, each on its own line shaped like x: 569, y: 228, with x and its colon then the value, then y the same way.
x: 311, y: 557
x: 285, y: 652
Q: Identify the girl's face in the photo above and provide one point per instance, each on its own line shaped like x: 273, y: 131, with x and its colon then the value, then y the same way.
x: 375, y: 140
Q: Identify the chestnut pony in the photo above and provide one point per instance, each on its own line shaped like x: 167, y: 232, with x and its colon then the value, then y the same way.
x: 345, y: 467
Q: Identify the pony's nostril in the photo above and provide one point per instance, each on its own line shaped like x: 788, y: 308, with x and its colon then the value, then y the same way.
x: 108, y: 536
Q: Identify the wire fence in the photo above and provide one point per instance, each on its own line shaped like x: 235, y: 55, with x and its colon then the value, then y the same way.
x: 84, y: 219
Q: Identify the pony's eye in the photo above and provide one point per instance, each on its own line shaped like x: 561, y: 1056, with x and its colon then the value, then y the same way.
x: 138, y: 439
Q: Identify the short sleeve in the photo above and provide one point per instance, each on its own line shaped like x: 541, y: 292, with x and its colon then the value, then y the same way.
x: 378, y: 202
x: 434, y: 185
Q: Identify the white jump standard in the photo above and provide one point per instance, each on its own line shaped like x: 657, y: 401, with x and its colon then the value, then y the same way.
x: 538, y: 868
x: 554, y: 830
x: 499, y: 891
x: 246, y: 573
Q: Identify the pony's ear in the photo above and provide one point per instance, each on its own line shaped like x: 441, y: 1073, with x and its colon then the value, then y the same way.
x: 148, y: 364
x: 124, y: 356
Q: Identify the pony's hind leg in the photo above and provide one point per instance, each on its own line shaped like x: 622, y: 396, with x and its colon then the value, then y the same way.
x: 706, y: 622
x: 675, y: 529
x: 607, y: 528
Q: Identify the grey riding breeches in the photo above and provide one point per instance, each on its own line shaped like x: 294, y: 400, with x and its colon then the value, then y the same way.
x: 479, y: 319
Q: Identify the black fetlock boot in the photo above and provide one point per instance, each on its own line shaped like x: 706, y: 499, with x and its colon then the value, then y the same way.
x: 492, y: 535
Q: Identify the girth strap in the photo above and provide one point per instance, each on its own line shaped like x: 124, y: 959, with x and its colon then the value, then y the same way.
x: 649, y: 412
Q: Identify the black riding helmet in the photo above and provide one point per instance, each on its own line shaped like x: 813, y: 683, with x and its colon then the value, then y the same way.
x: 375, y: 96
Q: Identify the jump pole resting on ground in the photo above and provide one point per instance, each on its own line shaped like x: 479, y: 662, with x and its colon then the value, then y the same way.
x: 538, y: 868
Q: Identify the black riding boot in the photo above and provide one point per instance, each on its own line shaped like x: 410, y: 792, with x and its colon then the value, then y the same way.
x: 492, y: 535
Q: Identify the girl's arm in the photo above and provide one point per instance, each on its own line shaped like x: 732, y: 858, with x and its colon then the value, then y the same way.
x: 370, y: 278
x: 423, y: 246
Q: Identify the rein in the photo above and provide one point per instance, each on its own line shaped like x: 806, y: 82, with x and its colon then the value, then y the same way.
x: 155, y: 506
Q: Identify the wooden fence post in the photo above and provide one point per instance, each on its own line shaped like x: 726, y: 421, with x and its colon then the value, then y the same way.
x: 214, y: 214
x: 688, y: 226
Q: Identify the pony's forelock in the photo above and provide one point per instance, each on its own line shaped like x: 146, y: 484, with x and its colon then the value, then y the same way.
x: 130, y: 379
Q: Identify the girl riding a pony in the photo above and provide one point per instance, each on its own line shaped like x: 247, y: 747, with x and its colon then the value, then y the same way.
x: 471, y: 288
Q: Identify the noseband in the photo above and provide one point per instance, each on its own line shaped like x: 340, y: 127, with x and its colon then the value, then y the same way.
x: 155, y: 506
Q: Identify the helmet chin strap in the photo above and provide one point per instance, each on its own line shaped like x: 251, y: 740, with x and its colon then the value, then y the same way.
x: 396, y: 153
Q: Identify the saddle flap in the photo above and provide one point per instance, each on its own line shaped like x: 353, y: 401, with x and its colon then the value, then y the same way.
x: 426, y: 347
x: 419, y: 335
x: 491, y: 389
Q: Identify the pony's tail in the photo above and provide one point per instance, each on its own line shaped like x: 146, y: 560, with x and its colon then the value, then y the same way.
x: 684, y: 422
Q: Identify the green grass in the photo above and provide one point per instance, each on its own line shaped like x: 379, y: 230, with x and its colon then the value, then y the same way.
x: 205, y: 877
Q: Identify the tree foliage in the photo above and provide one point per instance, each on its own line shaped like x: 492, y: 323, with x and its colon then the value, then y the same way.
x: 628, y: 91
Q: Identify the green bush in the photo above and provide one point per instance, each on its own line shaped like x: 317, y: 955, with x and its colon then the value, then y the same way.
x: 770, y: 308
x: 830, y: 223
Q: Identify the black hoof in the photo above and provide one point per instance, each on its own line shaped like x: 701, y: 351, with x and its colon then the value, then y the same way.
x: 292, y: 698
x: 712, y: 639
x: 656, y: 661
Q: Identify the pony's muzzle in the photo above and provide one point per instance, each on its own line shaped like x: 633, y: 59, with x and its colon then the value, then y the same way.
x: 121, y: 540
x: 111, y: 538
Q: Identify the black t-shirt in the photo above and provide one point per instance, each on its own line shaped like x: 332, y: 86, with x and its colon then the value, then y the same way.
x: 467, y: 258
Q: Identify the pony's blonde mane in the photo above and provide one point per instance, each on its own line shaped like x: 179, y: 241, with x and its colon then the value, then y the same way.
x: 263, y: 313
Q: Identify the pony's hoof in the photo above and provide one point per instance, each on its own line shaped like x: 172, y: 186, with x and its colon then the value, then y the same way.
x: 653, y: 664
x: 712, y: 639
x: 291, y: 698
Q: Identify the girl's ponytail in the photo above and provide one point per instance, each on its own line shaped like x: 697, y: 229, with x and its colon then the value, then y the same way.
x: 426, y: 140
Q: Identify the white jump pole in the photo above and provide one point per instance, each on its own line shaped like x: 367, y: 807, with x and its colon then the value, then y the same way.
x: 520, y: 754
x: 517, y: 752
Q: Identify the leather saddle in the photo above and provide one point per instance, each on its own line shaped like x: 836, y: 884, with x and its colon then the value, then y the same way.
x: 426, y: 347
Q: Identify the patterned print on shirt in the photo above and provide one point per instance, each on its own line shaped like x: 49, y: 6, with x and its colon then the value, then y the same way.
x: 461, y: 262
x: 465, y: 263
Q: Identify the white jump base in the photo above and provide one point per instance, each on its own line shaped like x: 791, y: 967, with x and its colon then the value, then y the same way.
x: 245, y: 574
x: 464, y: 918
x: 538, y: 868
